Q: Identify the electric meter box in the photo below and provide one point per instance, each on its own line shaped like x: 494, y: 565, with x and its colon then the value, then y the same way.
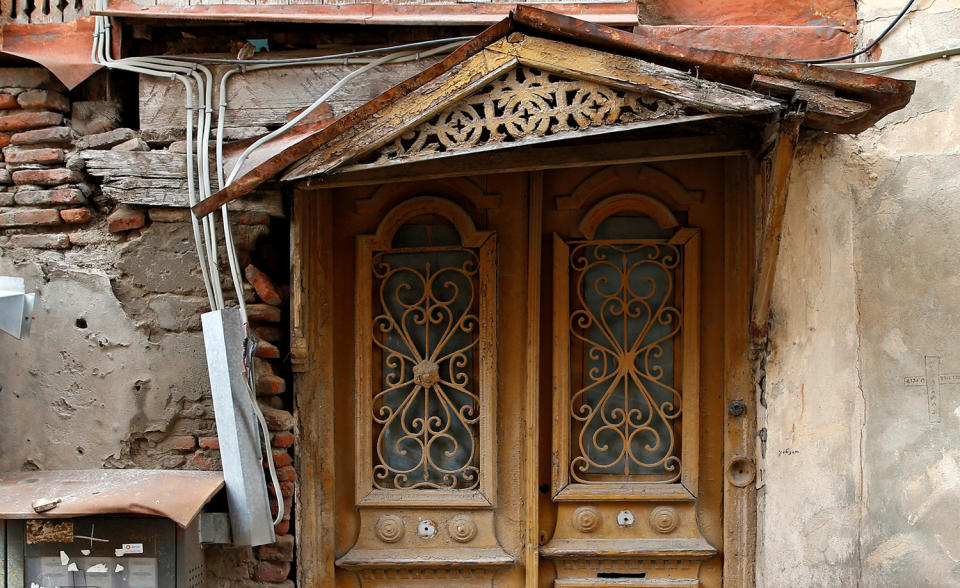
x: 102, y: 552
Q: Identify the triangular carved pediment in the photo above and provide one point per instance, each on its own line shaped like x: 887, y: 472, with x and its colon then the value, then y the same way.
x: 527, y: 105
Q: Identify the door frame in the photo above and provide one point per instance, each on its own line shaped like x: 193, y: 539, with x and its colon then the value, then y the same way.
x: 311, y: 342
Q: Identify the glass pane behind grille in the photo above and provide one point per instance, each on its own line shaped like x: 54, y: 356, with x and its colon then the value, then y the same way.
x: 624, y: 322
x: 426, y: 330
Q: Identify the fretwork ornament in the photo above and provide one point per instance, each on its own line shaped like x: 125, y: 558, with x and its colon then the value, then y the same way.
x: 522, y: 104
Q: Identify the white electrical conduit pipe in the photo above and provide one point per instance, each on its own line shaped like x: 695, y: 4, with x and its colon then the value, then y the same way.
x: 175, y: 71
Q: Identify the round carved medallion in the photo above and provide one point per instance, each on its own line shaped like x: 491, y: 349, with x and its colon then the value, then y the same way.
x: 462, y: 528
x: 389, y: 528
x: 426, y: 373
x: 664, y: 519
x: 586, y: 519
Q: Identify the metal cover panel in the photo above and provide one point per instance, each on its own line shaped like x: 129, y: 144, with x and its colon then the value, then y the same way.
x: 176, y: 495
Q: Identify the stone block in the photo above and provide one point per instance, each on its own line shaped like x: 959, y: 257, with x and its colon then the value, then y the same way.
x: 75, y: 215
x: 60, y: 241
x: 49, y: 135
x: 45, y: 155
x: 29, y: 217
x: 44, y: 99
x: 107, y: 140
x: 6, y: 199
x: 47, y: 177
x: 126, y: 218
x: 53, y: 197
x: 169, y: 215
x: 23, y: 120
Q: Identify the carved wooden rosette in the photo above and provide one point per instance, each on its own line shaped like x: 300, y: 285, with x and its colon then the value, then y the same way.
x: 626, y: 387
x: 425, y: 380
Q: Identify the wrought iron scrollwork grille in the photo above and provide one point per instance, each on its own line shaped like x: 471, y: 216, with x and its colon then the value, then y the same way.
x: 624, y: 321
x: 426, y: 412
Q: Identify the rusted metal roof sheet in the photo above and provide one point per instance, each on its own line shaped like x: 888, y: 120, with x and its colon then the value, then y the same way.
x: 62, y: 48
x: 175, y: 494
x: 883, y: 95
x: 434, y: 14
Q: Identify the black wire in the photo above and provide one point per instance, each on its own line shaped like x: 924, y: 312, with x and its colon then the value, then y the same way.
x: 865, y: 49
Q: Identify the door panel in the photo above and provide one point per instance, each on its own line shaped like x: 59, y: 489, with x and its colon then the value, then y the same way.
x: 430, y: 332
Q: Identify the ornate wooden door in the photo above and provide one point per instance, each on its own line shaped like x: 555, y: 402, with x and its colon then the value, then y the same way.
x: 527, y: 379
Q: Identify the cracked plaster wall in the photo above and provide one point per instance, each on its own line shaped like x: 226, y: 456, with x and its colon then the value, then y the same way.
x: 114, y: 364
x: 859, y: 486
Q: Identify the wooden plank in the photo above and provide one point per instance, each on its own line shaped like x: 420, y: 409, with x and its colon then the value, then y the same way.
x: 266, y: 97
x: 417, y: 106
x: 632, y: 74
x: 739, y: 432
x: 772, y: 225
x: 546, y: 157
x: 822, y: 104
x: 313, y: 392
x: 531, y: 466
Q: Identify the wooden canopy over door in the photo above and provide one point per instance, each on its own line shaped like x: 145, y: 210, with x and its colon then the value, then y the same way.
x: 540, y: 497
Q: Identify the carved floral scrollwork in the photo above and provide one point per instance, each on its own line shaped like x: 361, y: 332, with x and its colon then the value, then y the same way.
x: 525, y: 102
x: 389, y: 528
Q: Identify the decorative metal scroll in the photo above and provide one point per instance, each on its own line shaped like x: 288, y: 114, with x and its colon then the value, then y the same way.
x: 525, y: 103
x: 426, y: 330
x: 625, y: 318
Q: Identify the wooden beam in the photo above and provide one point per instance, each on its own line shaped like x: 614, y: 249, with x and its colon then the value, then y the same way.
x: 531, y: 466
x: 632, y: 74
x: 775, y: 206
x: 312, y: 251
x: 739, y: 428
x: 545, y: 157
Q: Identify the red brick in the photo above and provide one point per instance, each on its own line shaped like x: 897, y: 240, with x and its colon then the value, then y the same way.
x: 283, y: 439
x: 5, y: 139
x: 268, y: 385
x: 263, y: 313
x: 250, y: 218
x: 282, y: 550
x: 21, y: 121
x: 280, y: 459
x: 75, y: 215
x: 282, y: 528
x: 287, y: 505
x: 44, y: 99
x: 55, y: 135
x: 45, y: 155
x: 287, y: 474
x: 277, y: 419
x: 7, y: 102
x: 267, y: 350
x: 30, y: 217
x: 206, y: 461
x: 180, y: 443
x: 57, y: 196
x: 264, y: 286
x: 272, y: 571
x: 268, y: 333
x: 47, y: 177
x: 125, y: 218
x: 209, y: 442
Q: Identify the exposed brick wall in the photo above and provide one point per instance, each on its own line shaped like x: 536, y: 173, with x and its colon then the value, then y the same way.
x: 51, y: 210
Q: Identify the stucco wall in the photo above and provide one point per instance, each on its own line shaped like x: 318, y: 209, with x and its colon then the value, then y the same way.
x: 859, y: 486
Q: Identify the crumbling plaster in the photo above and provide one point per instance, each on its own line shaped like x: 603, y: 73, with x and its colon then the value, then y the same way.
x: 859, y: 488
x: 91, y: 375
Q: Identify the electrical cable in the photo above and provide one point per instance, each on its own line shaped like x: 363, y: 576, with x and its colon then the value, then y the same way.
x: 865, y: 49
x: 878, y: 66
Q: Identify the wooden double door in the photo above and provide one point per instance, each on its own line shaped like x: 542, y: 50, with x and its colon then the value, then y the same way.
x: 525, y: 377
